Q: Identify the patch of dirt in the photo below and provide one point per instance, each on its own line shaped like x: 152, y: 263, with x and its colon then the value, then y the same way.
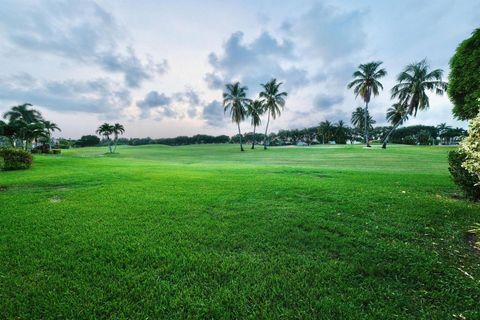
x: 3, y: 189
x: 56, y: 199
x: 473, y: 241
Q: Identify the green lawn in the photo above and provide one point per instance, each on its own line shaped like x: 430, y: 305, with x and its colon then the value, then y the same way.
x: 338, y: 232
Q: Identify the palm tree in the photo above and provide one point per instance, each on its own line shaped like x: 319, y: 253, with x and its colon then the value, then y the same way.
x: 443, y: 130
x: 358, y: 119
x: 341, y: 132
x: 254, y: 110
x: 117, y: 129
x: 325, y: 129
x: 366, y: 83
x: 24, y: 113
x: 106, y: 130
x: 274, y: 101
x: 235, y: 99
x: 413, y: 82
x: 396, y: 115
x: 50, y: 127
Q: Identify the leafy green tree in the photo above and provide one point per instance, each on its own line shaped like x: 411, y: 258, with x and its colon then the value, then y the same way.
x: 23, y: 112
x: 106, y: 130
x: 117, y: 129
x: 464, y: 78
x: 366, y: 84
x: 235, y: 99
x: 414, y: 82
x: 396, y: 115
x: 274, y: 101
x: 255, y: 109
x: 88, y: 141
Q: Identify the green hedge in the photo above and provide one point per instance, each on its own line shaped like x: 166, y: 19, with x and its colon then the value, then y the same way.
x: 14, y: 159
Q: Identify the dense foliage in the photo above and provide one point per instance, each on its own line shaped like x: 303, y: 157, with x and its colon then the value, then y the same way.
x: 471, y: 147
x: 14, y: 159
x: 464, y: 179
x: 464, y: 78
x: 87, y: 141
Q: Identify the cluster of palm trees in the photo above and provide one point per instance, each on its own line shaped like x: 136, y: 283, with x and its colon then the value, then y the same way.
x: 410, y: 92
x: 107, y: 130
x: 25, y: 125
x: 271, y: 101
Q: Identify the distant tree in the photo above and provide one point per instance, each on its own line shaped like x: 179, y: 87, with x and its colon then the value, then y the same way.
x: 274, y: 101
x: 117, y: 129
x: 414, y: 82
x: 255, y: 109
x: 22, y: 112
x: 443, y: 128
x: 358, y: 119
x: 88, y: 141
x: 396, y: 115
x: 464, y: 78
x: 106, y: 130
x: 366, y: 84
x: 325, y: 130
x: 50, y: 127
x: 235, y: 99
x: 341, y: 132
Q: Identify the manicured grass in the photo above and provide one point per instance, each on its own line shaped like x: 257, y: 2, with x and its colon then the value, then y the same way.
x: 337, y: 232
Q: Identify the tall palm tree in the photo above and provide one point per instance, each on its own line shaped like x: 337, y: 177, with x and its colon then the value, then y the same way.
x: 366, y: 83
x: 117, y: 129
x: 24, y: 113
x: 396, y: 115
x: 358, y: 119
x: 254, y: 110
x: 274, y: 101
x: 413, y: 83
x: 106, y: 130
x: 235, y: 99
x: 325, y: 129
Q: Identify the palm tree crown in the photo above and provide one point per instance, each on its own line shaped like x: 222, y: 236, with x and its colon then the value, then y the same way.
x: 254, y: 110
x: 366, y: 82
x: 397, y: 114
x: 358, y: 119
x: 105, y: 130
x: 413, y: 82
x: 273, y: 98
x: 22, y: 112
x: 235, y: 99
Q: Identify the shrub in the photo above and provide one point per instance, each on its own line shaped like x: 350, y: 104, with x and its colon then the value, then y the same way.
x: 410, y: 140
x: 14, y: 159
x: 464, y: 179
x: 55, y: 151
x: 471, y: 147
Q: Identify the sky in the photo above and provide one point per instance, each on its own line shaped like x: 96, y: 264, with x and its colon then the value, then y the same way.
x: 159, y: 67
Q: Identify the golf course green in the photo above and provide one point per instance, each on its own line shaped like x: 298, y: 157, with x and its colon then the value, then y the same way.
x: 206, y: 231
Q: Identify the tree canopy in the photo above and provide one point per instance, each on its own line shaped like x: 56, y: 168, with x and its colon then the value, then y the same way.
x: 464, y: 78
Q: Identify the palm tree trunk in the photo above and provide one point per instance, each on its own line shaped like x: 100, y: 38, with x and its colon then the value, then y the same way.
x: 253, y: 140
x: 385, y: 141
x: 115, y: 141
x: 366, y: 125
x: 240, y: 136
x: 265, y: 142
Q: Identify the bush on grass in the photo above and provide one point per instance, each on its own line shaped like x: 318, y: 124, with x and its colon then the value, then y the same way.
x: 15, y: 159
x: 462, y: 177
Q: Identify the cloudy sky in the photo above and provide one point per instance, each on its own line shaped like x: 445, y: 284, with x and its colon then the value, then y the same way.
x: 159, y: 67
